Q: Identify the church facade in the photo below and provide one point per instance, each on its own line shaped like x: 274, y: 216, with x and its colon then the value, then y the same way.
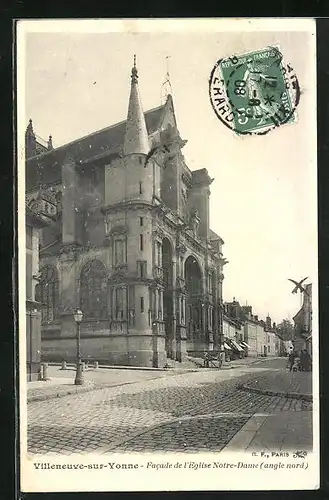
x: 129, y: 243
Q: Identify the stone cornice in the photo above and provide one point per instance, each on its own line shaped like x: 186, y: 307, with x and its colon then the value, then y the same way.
x: 118, y: 230
x: 127, y: 205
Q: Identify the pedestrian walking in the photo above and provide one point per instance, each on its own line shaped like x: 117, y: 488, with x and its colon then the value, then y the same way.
x: 292, y: 357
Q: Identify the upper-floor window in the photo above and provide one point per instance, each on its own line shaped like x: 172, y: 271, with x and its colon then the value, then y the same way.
x: 141, y: 242
x: 140, y: 187
x: 119, y: 252
x: 141, y: 221
x: 159, y: 251
x: 141, y: 267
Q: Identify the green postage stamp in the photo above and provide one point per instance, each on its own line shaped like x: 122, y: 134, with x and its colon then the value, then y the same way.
x: 255, y: 92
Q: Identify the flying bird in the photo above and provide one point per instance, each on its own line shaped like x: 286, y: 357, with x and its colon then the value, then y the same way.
x: 298, y: 285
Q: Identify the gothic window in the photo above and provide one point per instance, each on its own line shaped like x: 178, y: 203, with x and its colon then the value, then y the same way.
x: 141, y: 268
x: 93, y: 287
x: 46, y: 292
x: 119, y: 252
x: 159, y: 252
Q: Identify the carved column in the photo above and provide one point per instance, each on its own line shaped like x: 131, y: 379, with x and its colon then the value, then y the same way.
x: 173, y: 316
x: 180, y: 316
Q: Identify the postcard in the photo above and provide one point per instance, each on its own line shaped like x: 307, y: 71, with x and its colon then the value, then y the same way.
x: 167, y: 205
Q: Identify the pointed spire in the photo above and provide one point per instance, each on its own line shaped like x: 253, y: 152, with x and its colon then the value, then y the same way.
x: 29, y: 128
x: 30, y: 140
x: 136, y: 137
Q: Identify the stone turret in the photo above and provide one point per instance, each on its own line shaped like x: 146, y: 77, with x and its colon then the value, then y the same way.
x: 136, y: 137
x: 30, y: 141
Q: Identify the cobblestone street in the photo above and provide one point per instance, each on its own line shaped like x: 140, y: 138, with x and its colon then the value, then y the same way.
x: 191, y: 411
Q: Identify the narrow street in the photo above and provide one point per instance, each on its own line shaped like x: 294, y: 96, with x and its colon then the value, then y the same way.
x: 192, y: 411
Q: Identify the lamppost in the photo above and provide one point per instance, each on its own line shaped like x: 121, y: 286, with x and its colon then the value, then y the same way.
x: 78, y: 315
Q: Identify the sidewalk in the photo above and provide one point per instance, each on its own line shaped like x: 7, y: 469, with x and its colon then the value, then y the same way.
x: 61, y: 382
x: 285, y: 430
x: 250, y: 360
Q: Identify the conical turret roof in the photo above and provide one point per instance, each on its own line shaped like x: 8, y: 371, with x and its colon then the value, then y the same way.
x: 136, y: 137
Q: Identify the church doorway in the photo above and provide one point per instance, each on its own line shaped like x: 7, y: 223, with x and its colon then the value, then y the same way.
x: 194, y: 312
x: 168, y: 318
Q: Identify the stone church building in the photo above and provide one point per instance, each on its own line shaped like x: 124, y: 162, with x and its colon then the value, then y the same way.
x: 129, y: 243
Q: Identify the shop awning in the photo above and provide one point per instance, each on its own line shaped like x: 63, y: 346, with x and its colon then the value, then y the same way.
x: 246, y: 345
x: 226, y: 346
x: 236, y: 345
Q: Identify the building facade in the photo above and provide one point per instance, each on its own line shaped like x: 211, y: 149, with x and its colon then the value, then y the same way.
x: 303, y: 323
x: 233, y: 331
x: 34, y: 223
x: 129, y: 243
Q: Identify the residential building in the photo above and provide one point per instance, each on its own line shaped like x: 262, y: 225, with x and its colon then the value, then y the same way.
x: 303, y: 323
x: 233, y: 332
x: 270, y: 338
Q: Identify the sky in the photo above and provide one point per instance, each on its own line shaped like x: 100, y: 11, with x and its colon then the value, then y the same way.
x: 263, y: 199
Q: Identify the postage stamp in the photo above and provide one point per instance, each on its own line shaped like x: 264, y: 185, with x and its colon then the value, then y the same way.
x: 255, y: 92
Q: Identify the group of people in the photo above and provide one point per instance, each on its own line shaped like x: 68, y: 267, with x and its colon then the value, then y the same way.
x: 304, y: 361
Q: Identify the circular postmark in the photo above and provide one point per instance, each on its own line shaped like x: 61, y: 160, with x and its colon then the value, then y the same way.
x: 254, y: 93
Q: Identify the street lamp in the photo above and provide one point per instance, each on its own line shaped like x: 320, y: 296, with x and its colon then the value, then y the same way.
x: 78, y: 315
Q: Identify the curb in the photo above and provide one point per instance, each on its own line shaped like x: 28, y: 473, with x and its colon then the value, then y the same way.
x: 291, y: 395
x: 91, y: 387
x: 136, y: 368
x: 55, y: 395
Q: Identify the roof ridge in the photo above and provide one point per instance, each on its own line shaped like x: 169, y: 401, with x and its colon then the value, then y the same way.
x: 109, y: 127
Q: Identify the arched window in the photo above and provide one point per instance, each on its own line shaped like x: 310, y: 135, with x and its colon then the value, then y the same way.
x: 46, y: 292
x: 93, y: 290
